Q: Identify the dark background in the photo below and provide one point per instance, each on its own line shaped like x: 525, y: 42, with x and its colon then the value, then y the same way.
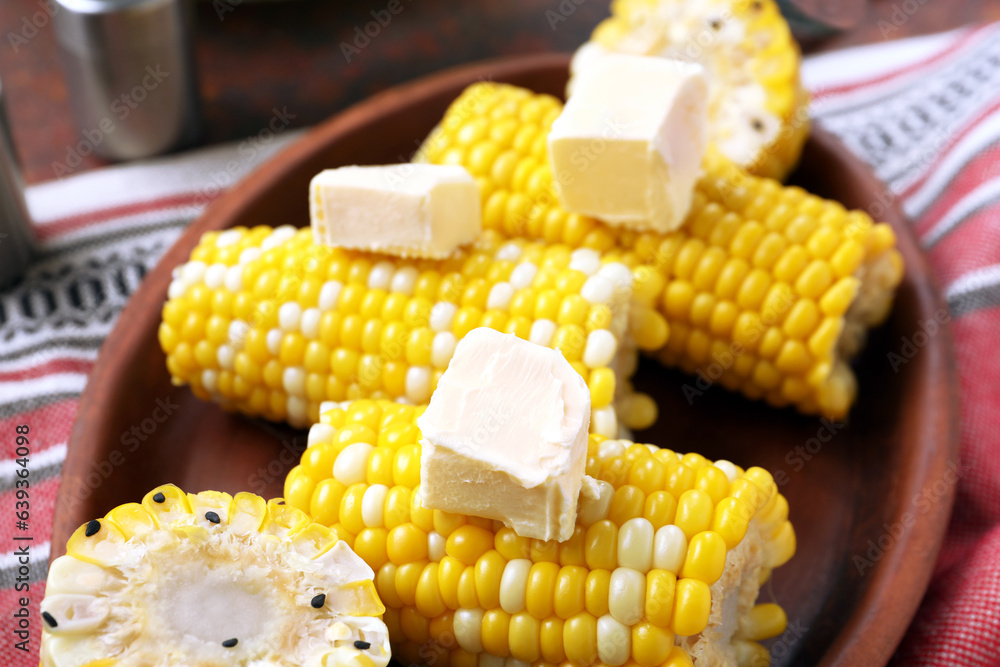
x: 288, y: 54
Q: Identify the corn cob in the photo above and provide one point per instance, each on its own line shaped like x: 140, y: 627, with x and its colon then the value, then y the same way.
x: 766, y: 289
x: 266, y: 322
x: 210, y: 579
x: 758, y: 109
x: 664, y: 566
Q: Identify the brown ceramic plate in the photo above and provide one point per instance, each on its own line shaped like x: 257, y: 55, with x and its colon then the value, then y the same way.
x: 869, y: 500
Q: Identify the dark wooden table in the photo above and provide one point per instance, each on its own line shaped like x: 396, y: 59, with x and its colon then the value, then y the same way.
x: 258, y: 56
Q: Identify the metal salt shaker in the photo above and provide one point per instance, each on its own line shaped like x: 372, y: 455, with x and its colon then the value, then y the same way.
x: 129, y: 68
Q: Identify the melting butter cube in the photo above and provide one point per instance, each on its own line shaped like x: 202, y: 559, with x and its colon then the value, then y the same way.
x: 628, y: 146
x: 409, y: 210
x: 505, y: 436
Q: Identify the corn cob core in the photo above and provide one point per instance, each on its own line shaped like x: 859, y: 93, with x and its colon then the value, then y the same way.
x: 758, y: 109
x: 267, y: 322
x: 766, y: 289
x: 663, y: 568
x: 210, y: 579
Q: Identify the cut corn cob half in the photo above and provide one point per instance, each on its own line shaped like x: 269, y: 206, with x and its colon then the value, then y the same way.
x: 758, y: 108
x: 664, y: 566
x: 266, y: 322
x: 766, y: 289
x: 210, y: 579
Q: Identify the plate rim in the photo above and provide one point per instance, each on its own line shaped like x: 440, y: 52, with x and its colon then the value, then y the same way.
x: 890, y: 613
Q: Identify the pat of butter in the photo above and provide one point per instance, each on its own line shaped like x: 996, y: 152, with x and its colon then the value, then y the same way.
x: 628, y: 146
x: 505, y: 436
x: 409, y: 210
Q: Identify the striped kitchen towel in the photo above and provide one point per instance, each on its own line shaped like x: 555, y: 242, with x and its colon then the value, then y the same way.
x: 924, y: 112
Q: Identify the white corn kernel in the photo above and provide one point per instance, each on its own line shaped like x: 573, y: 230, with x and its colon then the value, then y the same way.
x: 418, y: 384
x: 598, y: 290
x: 209, y: 380
x: 373, y: 505
x: 619, y: 275
x: 600, y: 349
x: 442, y: 315
x: 380, y: 276
x: 585, y: 260
x: 228, y: 238
x: 310, y: 323
x: 500, y: 296
x: 514, y: 584
x: 234, y: 278
x: 604, y: 421
x: 669, y: 548
x: 293, y: 380
x: 523, y: 275
x: 635, y: 544
x: 627, y: 595
x: 351, y: 466
x: 443, y: 348
x: 614, y: 641
x: 404, y: 280
x: 298, y: 412
x: 193, y: 272
x: 468, y: 626
x: 729, y: 468
x: 436, y: 546
x: 249, y: 254
x: 320, y: 433
x: 609, y: 449
x: 329, y: 293
x: 226, y: 357
x: 274, y: 337
x: 509, y: 252
x: 289, y: 316
x: 215, y: 276
x: 542, y: 332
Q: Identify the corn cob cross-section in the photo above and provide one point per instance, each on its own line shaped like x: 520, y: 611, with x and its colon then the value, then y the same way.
x: 266, y: 322
x: 767, y: 290
x: 210, y: 579
x: 758, y: 115
x: 663, y: 568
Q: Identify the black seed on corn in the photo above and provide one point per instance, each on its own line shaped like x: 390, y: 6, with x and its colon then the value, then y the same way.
x: 159, y: 498
x: 757, y: 124
x: 50, y: 619
x: 93, y: 527
x: 362, y: 645
x: 318, y: 601
x: 715, y: 24
x: 213, y: 517
x: 229, y: 643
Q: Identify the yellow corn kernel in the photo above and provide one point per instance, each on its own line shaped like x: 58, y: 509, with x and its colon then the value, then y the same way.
x: 762, y: 622
x: 597, y: 587
x: 580, y: 639
x: 550, y: 637
x: 692, y: 604
x: 467, y: 543
x: 449, y: 575
x: 488, y: 572
x: 694, y: 512
x: 496, y: 632
x: 539, y: 597
x: 706, y: 557
x: 651, y: 644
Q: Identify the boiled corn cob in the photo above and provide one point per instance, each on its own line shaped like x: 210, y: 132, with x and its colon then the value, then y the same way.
x: 664, y: 566
x: 266, y: 322
x: 758, y: 109
x: 210, y: 579
x: 766, y: 289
